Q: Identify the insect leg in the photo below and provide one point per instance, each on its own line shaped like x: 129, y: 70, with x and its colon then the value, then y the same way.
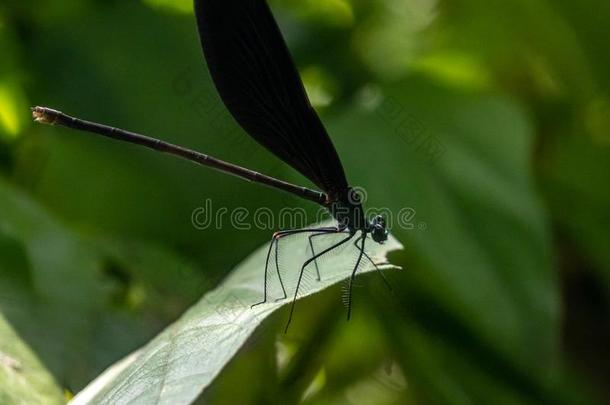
x: 336, y: 245
x: 379, y: 271
x: 313, y: 253
x: 351, y: 280
x: 275, y: 239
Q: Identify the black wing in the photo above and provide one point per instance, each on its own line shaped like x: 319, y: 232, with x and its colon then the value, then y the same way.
x: 259, y: 83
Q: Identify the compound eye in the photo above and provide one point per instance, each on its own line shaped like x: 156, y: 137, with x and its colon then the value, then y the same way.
x: 379, y: 233
x: 378, y: 220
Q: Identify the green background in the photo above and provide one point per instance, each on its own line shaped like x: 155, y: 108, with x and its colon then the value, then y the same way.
x: 489, y: 119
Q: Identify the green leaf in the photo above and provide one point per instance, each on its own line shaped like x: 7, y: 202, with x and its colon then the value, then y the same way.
x: 461, y: 162
x: 178, y: 364
x: 54, y: 276
x: 475, y: 205
x: 577, y: 175
x: 52, y: 279
x: 23, y: 379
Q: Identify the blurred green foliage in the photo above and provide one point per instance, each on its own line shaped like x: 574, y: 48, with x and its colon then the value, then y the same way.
x: 490, y: 119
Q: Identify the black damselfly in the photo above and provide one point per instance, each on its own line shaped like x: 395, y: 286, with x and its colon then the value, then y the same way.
x: 257, y: 80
